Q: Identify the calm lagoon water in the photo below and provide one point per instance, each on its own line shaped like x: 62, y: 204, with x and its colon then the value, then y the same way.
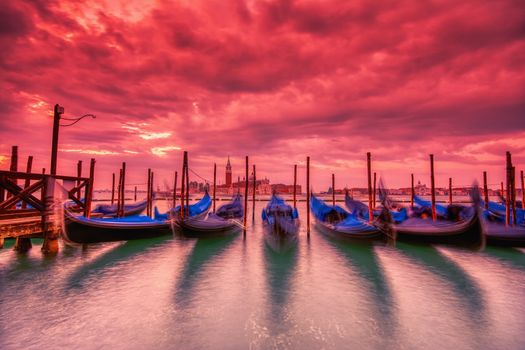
x: 235, y: 293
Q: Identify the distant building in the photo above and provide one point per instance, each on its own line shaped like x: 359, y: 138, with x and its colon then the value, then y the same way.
x: 285, y: 189
x: 228, y: 173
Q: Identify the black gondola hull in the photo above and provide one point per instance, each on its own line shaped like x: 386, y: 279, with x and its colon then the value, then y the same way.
x: 499, y: 235
x: 469, y: 234
x: 358, y: 236
x: 81, y: 232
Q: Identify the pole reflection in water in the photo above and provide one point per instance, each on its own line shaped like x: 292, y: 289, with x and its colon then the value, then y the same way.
x: 205, y: 250
x: 461, y: 282
x: 363, y: 260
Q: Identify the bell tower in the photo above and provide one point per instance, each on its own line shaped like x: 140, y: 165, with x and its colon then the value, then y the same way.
x: 228, y: 173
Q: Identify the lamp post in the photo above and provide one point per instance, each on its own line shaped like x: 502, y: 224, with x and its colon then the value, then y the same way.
x: 57, y: 112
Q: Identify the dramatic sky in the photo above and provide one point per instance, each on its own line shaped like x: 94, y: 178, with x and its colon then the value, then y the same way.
x: 275, y: 80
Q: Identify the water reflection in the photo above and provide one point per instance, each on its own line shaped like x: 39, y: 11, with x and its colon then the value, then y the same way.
x: 511, y: 256
x: 121, y: 253
x: 463, y: 285
x: 204, y: 251
x: 280, y: 266
x: 363, y: 259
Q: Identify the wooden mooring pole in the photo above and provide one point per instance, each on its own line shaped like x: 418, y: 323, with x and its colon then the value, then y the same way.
x: 513, y: 197
x: 79, y: 174
x: 308, y: 196
x: 508, y: 188
x: 13, y: 167
x: 253, y: 194
x: 214, y: 185
x: 449, y: 190
x: 183, y: 184
x: 123, y: 190
x: 295, y: 186
x: 375, y: 191
x: 246, y: 197
x: 152, y: 194
x: 433, y: 188
x: 118, y: 190
x: 148, y: 194
x: 369, y: 171
x: 333, y: 190
x: 113, y: 189
x: 135, y: 195
x: 175, y: 191
x: 501, y: 192
x: 89, y: 189
x: 522, y: 192
x: 412, y: 192
x: 187, y: 186
x: 485, y: 190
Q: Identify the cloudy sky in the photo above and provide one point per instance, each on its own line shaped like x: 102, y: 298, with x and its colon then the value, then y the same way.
x: 275, y: 80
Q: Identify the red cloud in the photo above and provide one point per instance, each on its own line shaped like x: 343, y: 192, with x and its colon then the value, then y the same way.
x: 277, y: 80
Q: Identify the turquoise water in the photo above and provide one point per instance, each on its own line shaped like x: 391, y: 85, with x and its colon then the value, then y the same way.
x: 235, y: 293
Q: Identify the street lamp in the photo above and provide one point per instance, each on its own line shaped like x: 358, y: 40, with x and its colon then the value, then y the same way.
x: 57, y: 112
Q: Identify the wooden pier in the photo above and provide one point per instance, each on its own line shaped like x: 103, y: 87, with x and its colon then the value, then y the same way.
x: 28, y: 211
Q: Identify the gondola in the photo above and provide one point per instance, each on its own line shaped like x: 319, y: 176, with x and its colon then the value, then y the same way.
x: 500, y: 235
x: 468, y: 232
x: 336, y: 222
x: 280, y: 223
x: 223, y: 222
x: 360, y: 210
x: 79, y: 229
x: 129, y: 209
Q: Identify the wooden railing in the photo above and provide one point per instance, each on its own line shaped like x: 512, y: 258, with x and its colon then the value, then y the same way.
x: 34, y: 192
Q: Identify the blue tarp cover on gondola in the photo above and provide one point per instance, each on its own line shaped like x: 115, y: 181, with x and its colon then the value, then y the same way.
x: 199, y: 207
x: 321, y: 211
x: 234, y: 209
x: 440, y: 209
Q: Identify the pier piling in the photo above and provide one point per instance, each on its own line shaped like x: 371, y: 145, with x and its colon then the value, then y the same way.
x: 27, y: 181
x: 13, y: 167
x: 50, y: 245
